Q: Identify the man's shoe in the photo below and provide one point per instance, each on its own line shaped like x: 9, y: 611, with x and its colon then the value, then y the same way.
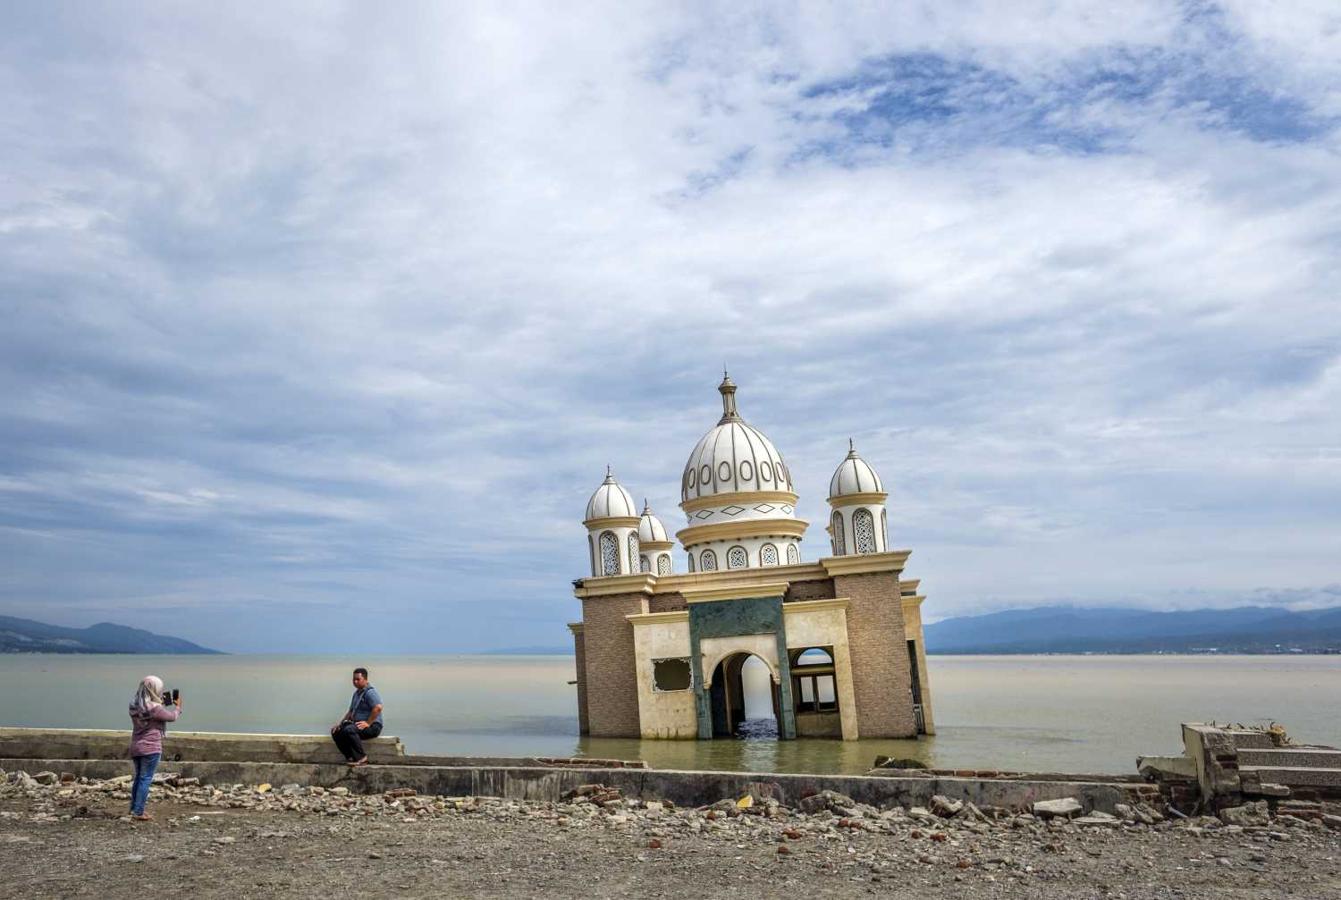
x: 359, y: 762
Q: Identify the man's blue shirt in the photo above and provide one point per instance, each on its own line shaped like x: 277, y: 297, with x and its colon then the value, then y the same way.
x: 363, y: 702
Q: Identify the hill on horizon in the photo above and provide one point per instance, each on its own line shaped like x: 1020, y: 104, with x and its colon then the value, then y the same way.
x: 1066, y: 629
x: 28, y: 636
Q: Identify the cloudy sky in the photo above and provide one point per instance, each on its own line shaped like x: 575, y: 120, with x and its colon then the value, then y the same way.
x: 320, y: 322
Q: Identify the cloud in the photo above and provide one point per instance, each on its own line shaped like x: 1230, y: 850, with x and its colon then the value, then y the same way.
x: 334, y: 310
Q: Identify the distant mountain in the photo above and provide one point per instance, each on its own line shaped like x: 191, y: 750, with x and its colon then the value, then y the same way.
x: 1062, y: 629
x: 27, y: 636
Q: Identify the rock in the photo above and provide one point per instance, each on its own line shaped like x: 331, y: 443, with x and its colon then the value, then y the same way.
x: 893, y: 762
x: 46, y: 778
x: 655, y: 809
x: 945, y: 807
x: 1063, y: 808
x: 1256, y: 813
x: 1098, y: 818
x: 135, y: 858
x: 226, y: 839
x: 826, y: 800
x: 1331, y: 821
x: 921, y: 814
x: 340, y: 791
x: 745, y: 802
x: 263, y: 788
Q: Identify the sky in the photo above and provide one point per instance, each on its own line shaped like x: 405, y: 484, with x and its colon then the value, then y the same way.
x: 320, y: 322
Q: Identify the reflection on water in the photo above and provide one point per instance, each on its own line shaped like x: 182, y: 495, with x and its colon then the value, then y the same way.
x: 1053, y: 713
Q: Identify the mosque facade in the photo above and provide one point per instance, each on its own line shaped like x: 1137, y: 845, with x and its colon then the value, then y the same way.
x: 661, y: 653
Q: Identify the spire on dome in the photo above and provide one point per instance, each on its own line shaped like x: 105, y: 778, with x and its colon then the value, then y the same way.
x: 728, y: 391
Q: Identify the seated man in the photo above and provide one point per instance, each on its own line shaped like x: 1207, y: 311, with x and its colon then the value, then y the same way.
x: 362, y: 722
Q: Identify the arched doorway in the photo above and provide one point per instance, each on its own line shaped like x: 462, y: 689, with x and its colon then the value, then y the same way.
x: 745, y: 698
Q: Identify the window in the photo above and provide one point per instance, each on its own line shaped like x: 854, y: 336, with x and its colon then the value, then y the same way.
x: 672, y: 675
x: 768, y: 555
x: 609, y: 553
x: 707, y: 561
x: 884, y: 528
x: 737, y: 558
x: 644, y: 564
x: 863, y: 531
x: 793, y: 555
x: 664, y: 564
x: 633, y: 552
x: 813, y: 677
x: 691, y: 561
x: 839, y: 542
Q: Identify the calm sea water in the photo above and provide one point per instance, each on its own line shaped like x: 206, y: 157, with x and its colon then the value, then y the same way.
x: 1025, y: 713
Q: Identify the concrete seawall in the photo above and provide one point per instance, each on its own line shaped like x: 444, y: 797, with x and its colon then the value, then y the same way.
x: 682, y: 787
x: 226, y: 759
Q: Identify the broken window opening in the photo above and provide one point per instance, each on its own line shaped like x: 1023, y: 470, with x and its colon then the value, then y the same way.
x: 671, y: 674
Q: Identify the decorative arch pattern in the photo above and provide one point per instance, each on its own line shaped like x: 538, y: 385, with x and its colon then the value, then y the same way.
x: 707, y: 561
x: 863, y: 531
x: 737, y: 558
x: 793, y: 555
x: 609, y: 553
x: 839, y: 541
x: 768, y: 555
x: 664, y: 564
x: 691, y: 561
x: 884, y: 528
x: 633, y: 552
x: 644, y: 564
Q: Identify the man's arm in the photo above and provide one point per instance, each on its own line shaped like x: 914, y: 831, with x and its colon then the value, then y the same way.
x: 372, y: 717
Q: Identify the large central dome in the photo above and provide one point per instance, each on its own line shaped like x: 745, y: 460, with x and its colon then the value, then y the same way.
x: 733, y: 457
x: 737, y: 497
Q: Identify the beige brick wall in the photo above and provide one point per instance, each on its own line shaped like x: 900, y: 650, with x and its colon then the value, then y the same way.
x: 612, y: 677
x: 820, y: 589
x: 876, y: 641
x: 580, y: 656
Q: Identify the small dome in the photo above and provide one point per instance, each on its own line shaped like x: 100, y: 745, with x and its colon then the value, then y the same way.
x: 610, y: 501
x: 733, y: 456
x: 650, y: 529
x: 854, y: 476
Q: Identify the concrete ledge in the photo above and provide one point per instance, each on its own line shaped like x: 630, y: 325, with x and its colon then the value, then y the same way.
x: 1295, y: 776
x: 110, y: 744
x: 683, y: 788
x: 1306, y: 757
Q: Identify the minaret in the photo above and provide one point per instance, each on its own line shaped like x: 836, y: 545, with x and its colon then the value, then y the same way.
x: 655, y: 544
x: 858, y: 523
x: 612, y: 530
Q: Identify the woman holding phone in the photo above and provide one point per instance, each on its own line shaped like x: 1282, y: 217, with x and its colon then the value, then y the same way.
x: 150, y: 713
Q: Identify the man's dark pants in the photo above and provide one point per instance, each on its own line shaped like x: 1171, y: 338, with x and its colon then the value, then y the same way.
x: 350, y: 739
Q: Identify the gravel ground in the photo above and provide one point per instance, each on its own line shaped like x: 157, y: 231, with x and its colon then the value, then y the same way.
x: 73, y: 840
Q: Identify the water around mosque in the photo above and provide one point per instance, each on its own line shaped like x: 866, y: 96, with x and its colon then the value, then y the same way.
x: 1022, y: 713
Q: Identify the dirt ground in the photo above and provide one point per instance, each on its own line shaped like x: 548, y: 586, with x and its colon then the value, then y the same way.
x: 520, y: 850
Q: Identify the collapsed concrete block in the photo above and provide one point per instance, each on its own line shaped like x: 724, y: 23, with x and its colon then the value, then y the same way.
x: 1063, y: 808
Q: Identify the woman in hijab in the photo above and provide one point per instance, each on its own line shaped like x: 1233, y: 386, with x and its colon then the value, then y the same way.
x: 149, y: 717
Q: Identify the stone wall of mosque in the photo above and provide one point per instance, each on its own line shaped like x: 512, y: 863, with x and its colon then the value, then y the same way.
x: 878, y: 645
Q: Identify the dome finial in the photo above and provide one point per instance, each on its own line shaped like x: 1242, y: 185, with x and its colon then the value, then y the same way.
x: 609, y: 474
x: 728, y: 391
x: 851, y: 447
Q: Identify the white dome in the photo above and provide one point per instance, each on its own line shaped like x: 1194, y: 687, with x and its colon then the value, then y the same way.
x: 854, y: 476
x: 610, y: 501
x: 733, y: 456
x: 650, y: 529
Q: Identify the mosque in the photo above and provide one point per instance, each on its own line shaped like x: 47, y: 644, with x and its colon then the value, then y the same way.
x: 660, y: 653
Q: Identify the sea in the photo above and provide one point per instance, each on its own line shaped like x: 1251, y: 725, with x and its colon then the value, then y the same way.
x: 1077, y: 714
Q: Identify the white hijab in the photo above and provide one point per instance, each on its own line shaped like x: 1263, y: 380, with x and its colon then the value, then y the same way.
x: 147, y: 696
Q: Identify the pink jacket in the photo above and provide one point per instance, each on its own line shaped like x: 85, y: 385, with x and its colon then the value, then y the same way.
x: 147, y: 731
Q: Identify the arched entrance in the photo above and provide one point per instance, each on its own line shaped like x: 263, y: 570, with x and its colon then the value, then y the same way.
x: 745, y: 698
